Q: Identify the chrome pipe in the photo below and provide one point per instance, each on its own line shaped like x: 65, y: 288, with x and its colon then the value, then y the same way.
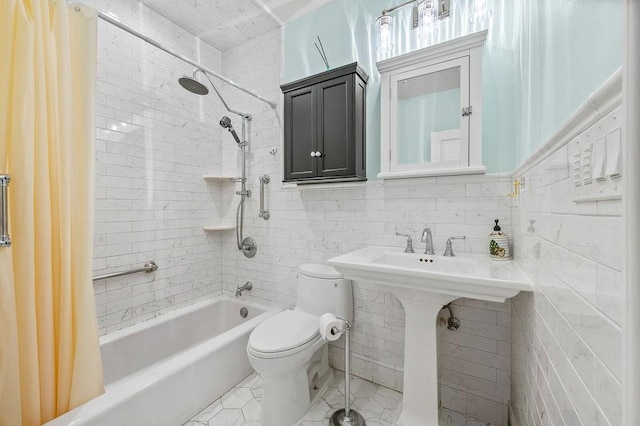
x: 5, y: 240
x: 263, y: 213
x: 107, y: 18
x: 150, y: 266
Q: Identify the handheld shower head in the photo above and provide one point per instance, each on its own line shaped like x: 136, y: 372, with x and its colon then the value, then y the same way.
x: 225, y: 122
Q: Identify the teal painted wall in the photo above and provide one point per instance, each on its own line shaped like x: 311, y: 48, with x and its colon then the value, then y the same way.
x: 542, y: 59
x: 570, y: 48
x: 347, y: 30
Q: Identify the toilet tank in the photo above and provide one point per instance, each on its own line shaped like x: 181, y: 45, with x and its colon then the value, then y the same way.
x: 322, y: 289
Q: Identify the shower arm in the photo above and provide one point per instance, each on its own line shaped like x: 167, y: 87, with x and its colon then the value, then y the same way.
x: 241, y: 114
x: 107, y: 18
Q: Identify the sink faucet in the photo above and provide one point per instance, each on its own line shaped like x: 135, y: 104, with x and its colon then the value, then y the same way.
x: 409, y: 248
x: 448, y: 250
x: 427, y: 238
x: 247, y: 287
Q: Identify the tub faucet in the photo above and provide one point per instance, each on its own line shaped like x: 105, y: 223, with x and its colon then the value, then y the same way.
x: 247, y: 287
x: 427, y: 238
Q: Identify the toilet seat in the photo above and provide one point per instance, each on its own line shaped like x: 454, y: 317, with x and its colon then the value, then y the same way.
x: 284, y: 334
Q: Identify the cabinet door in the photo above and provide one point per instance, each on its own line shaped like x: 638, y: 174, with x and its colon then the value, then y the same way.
x: 335, y: 101
x: 300, y: 134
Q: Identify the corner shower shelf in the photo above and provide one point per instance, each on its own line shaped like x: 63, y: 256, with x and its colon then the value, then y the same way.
x: 223, y: 179
x: 213, y: 228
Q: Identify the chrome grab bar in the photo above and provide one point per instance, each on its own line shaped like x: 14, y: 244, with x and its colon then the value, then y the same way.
x: 150, y: 266
x: 5, y: 240
x: 263, y: 213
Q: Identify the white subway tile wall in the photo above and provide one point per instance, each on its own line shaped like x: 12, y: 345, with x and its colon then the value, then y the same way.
x: 567, y: 338
x: 155, y: 141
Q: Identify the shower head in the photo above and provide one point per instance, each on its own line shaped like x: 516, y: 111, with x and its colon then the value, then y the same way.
x: 193, y: 85
x: 225, y: 122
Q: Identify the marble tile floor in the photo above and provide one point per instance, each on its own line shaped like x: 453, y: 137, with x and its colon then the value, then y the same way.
x: 377, y: 404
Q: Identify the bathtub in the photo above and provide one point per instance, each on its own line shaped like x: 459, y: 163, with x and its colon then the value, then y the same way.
x: 164, y: 371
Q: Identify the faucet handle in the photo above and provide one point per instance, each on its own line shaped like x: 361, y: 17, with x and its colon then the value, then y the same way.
x: 448, y: 249
x: 409, y: 248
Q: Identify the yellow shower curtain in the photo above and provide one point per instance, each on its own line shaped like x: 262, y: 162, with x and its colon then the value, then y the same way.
x: 49, y: 353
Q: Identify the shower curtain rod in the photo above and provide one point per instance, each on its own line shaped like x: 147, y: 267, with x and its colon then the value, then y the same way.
x: 152, y: 42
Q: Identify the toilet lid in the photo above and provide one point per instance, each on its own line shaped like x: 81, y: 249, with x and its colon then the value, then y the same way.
x: 284, y: 331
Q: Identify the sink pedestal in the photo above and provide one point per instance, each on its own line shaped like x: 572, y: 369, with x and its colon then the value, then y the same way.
x: 420, y: 390
x: 423, y: 289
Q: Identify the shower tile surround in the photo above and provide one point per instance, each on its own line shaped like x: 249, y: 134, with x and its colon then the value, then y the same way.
x: 151, y: 203
x: 154, y: 142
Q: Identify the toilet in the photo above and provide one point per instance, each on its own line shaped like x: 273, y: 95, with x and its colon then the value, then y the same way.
x: 287, y: 350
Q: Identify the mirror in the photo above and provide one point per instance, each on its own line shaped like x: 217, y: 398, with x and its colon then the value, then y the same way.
x: 429, y: 117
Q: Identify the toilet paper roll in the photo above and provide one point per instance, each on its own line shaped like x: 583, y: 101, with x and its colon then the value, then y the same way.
x: 330, y: 327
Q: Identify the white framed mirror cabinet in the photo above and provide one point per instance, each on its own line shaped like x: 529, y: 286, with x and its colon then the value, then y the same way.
x: 431, y: 110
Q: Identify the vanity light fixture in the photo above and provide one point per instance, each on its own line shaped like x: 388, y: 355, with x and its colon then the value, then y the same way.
x: 424, y: 17
x: 385, y: 34
x: 427, y: 20
x: 480, y: 12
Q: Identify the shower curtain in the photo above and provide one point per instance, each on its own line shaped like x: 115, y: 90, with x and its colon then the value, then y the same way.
x: 49, y: 354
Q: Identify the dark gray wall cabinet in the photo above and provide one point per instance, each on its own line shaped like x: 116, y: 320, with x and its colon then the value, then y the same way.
x: 324, y: 126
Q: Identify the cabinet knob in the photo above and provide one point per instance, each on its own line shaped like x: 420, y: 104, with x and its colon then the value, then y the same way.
x: 318, y: 154
x: 313, y: 154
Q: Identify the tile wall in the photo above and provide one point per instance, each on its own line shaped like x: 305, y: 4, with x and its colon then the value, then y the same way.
x: 567, y: 335
x: 154, y: 143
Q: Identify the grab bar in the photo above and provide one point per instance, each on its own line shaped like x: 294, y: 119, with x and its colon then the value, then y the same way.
x: 5, y: 240
x: 263, y: 213
x: 150, y: 266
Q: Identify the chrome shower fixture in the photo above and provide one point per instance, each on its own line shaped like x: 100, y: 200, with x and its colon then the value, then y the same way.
x: 225, y: 122
x: 192, y: 84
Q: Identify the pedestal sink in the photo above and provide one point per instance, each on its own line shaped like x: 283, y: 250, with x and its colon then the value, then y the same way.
x: 424, y: 283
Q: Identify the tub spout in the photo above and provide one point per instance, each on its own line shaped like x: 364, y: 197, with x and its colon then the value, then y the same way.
x: 247, y: 287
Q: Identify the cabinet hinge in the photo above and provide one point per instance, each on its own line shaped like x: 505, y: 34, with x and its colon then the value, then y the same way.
x: 467, y: 111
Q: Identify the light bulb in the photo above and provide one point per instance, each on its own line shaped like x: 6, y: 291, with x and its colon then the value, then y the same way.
x: 480, y: 12
x: 428, y: 20
x: 385, y: 34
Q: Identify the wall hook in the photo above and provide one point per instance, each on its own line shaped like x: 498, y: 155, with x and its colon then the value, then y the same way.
x: 517, y: 184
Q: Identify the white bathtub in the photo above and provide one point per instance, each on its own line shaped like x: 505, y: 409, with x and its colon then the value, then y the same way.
x: 164, y: 371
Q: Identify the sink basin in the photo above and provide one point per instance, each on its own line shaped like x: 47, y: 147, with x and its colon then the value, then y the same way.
x: 423, y: 284
x: 465, y: 275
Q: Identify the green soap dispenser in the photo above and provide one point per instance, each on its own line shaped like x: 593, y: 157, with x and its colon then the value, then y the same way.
x: 499, y: 247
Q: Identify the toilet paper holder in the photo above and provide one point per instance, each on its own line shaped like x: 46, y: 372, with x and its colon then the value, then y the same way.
x: 344, y: 416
